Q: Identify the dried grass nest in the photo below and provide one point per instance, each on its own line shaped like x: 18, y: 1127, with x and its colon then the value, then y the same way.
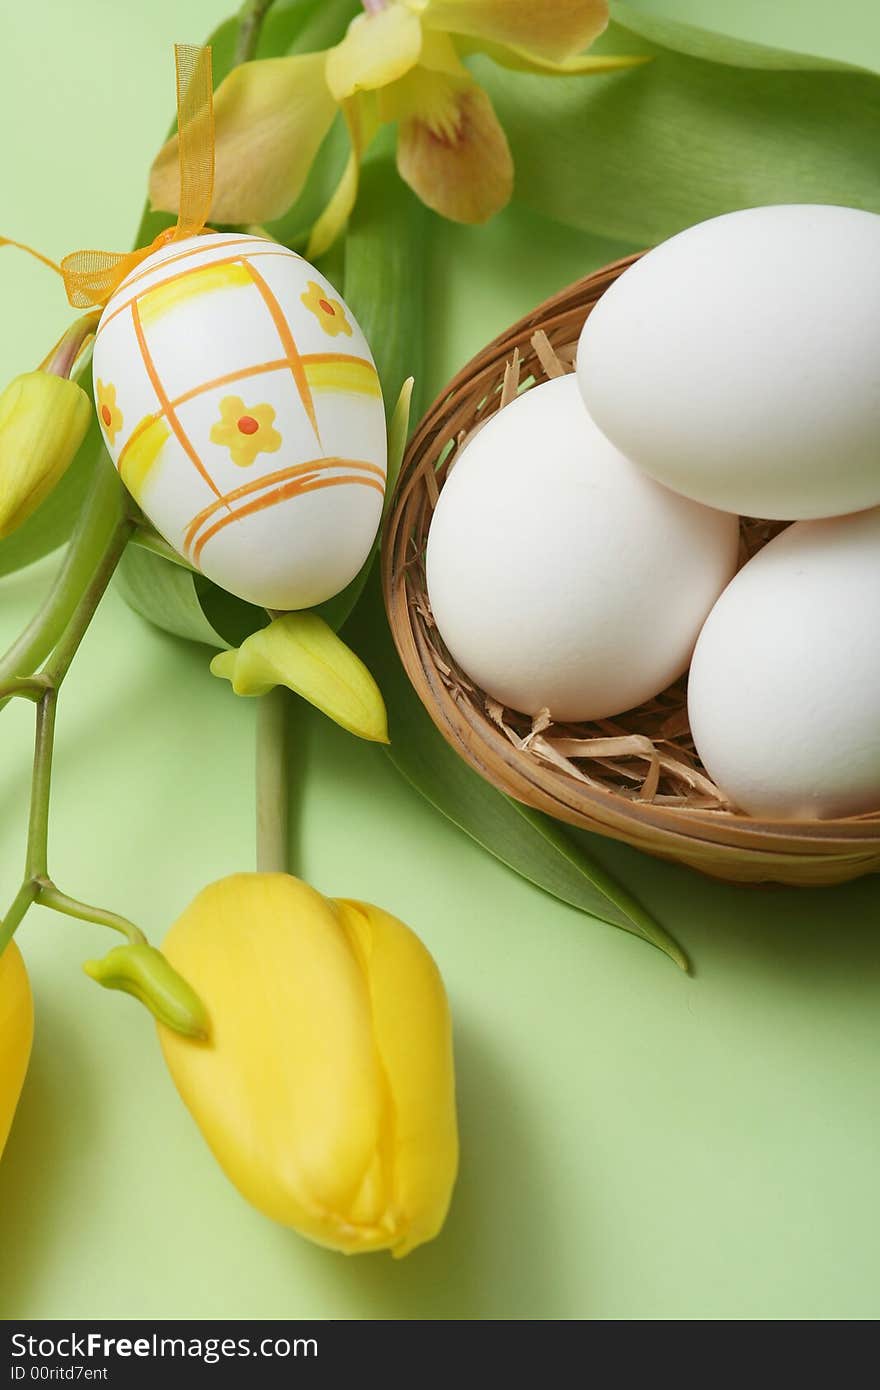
x: 637, y: 777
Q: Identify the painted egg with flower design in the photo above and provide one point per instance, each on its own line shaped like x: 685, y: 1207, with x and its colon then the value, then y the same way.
x: 241, y: 405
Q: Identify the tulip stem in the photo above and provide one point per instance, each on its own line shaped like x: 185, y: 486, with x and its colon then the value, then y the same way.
x: 272, y: 789
x: 250, y: 22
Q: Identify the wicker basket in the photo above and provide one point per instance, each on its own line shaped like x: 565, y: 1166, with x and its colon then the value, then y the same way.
x: 635, y: 778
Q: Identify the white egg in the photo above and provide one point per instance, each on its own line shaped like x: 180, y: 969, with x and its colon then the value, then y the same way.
x: 739, y: 362
x: 784, y: 689
x: 240, y: 403
x: 559, y: 575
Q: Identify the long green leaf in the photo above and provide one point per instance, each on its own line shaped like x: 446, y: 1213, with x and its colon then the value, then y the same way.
x: 385, y: 288
x: 184, y: 603
x: 530, y: 843
x: 710, y: 125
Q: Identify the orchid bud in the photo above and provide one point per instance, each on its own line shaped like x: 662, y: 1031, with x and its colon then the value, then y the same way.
x: 43, y: 421
x: 326, y: 1091
x: 143, y: 972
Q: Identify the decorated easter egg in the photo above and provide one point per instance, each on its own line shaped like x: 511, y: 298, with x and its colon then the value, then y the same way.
x: 242, y: 407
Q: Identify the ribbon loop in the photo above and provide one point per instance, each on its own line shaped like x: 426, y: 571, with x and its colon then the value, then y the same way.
x: 195, y: 146
x: 91, y: 277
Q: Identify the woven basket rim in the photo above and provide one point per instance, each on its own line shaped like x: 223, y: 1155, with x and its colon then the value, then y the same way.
x: 680, y: 832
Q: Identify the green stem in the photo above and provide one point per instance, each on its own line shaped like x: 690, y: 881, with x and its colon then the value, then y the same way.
x: 101, y: 517
x: 272, y: 789
x: 249, y: 25
x: 19, y: 906
x: 48, y: 895
x: 36, y: 866
x: 57, y: 631
x: 30, y: 687
x: 107, y: 560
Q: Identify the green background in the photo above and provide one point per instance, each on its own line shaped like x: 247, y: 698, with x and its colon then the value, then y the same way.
x: 636, y: 1144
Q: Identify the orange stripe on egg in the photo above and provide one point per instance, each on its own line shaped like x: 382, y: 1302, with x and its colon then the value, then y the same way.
x: 296, y: 488
x: 204, y: 251
x: 167, y: 408
x: 179, y: 275
x: 289, y: 344
x: 268, y: 480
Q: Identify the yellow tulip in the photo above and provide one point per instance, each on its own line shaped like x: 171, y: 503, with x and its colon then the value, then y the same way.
x: 16, y: 1034
x: 326, y: 1091
x: 400, y: 61
x: 43, y: 421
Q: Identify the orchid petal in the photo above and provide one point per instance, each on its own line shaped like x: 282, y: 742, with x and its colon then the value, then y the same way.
x: 362, y: 121
x: 551, y: 29
x: 579, y: 65
x: 377, y: 50
x: 270, y: 118
x: 451, y: 149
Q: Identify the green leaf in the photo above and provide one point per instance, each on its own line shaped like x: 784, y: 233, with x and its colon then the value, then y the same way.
x: 530, y: 843
x: 385, y: 289
x: 710, y: 125
x: 184, y: 603
x: 398, y: 434
x: 385, y: 275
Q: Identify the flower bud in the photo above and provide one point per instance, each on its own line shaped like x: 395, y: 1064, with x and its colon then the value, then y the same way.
x: 301, y: 651
x: 16, y: 1033
x: 143, y: 972
x: 43, y: 421
x: 326, y: 1092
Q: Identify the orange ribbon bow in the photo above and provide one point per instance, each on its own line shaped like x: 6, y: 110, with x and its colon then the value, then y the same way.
x: 91, y: 277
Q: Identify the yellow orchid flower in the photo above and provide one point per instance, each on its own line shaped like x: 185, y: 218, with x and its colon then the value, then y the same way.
x: 400, y: 61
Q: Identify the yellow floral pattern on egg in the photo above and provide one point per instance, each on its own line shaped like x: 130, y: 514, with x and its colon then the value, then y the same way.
x: 245, y: 430
x: 329, y: 312
x: 109, y: 413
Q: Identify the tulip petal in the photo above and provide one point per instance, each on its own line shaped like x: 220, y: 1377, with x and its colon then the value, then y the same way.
x: 16, y: 1034
x: 288, y: 1091
x: 300, y: 651
x: 451, y: 149
x: 413, y: 1034
x: 377, y: 50
x: 553, y: 29
x: 270, y: 118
